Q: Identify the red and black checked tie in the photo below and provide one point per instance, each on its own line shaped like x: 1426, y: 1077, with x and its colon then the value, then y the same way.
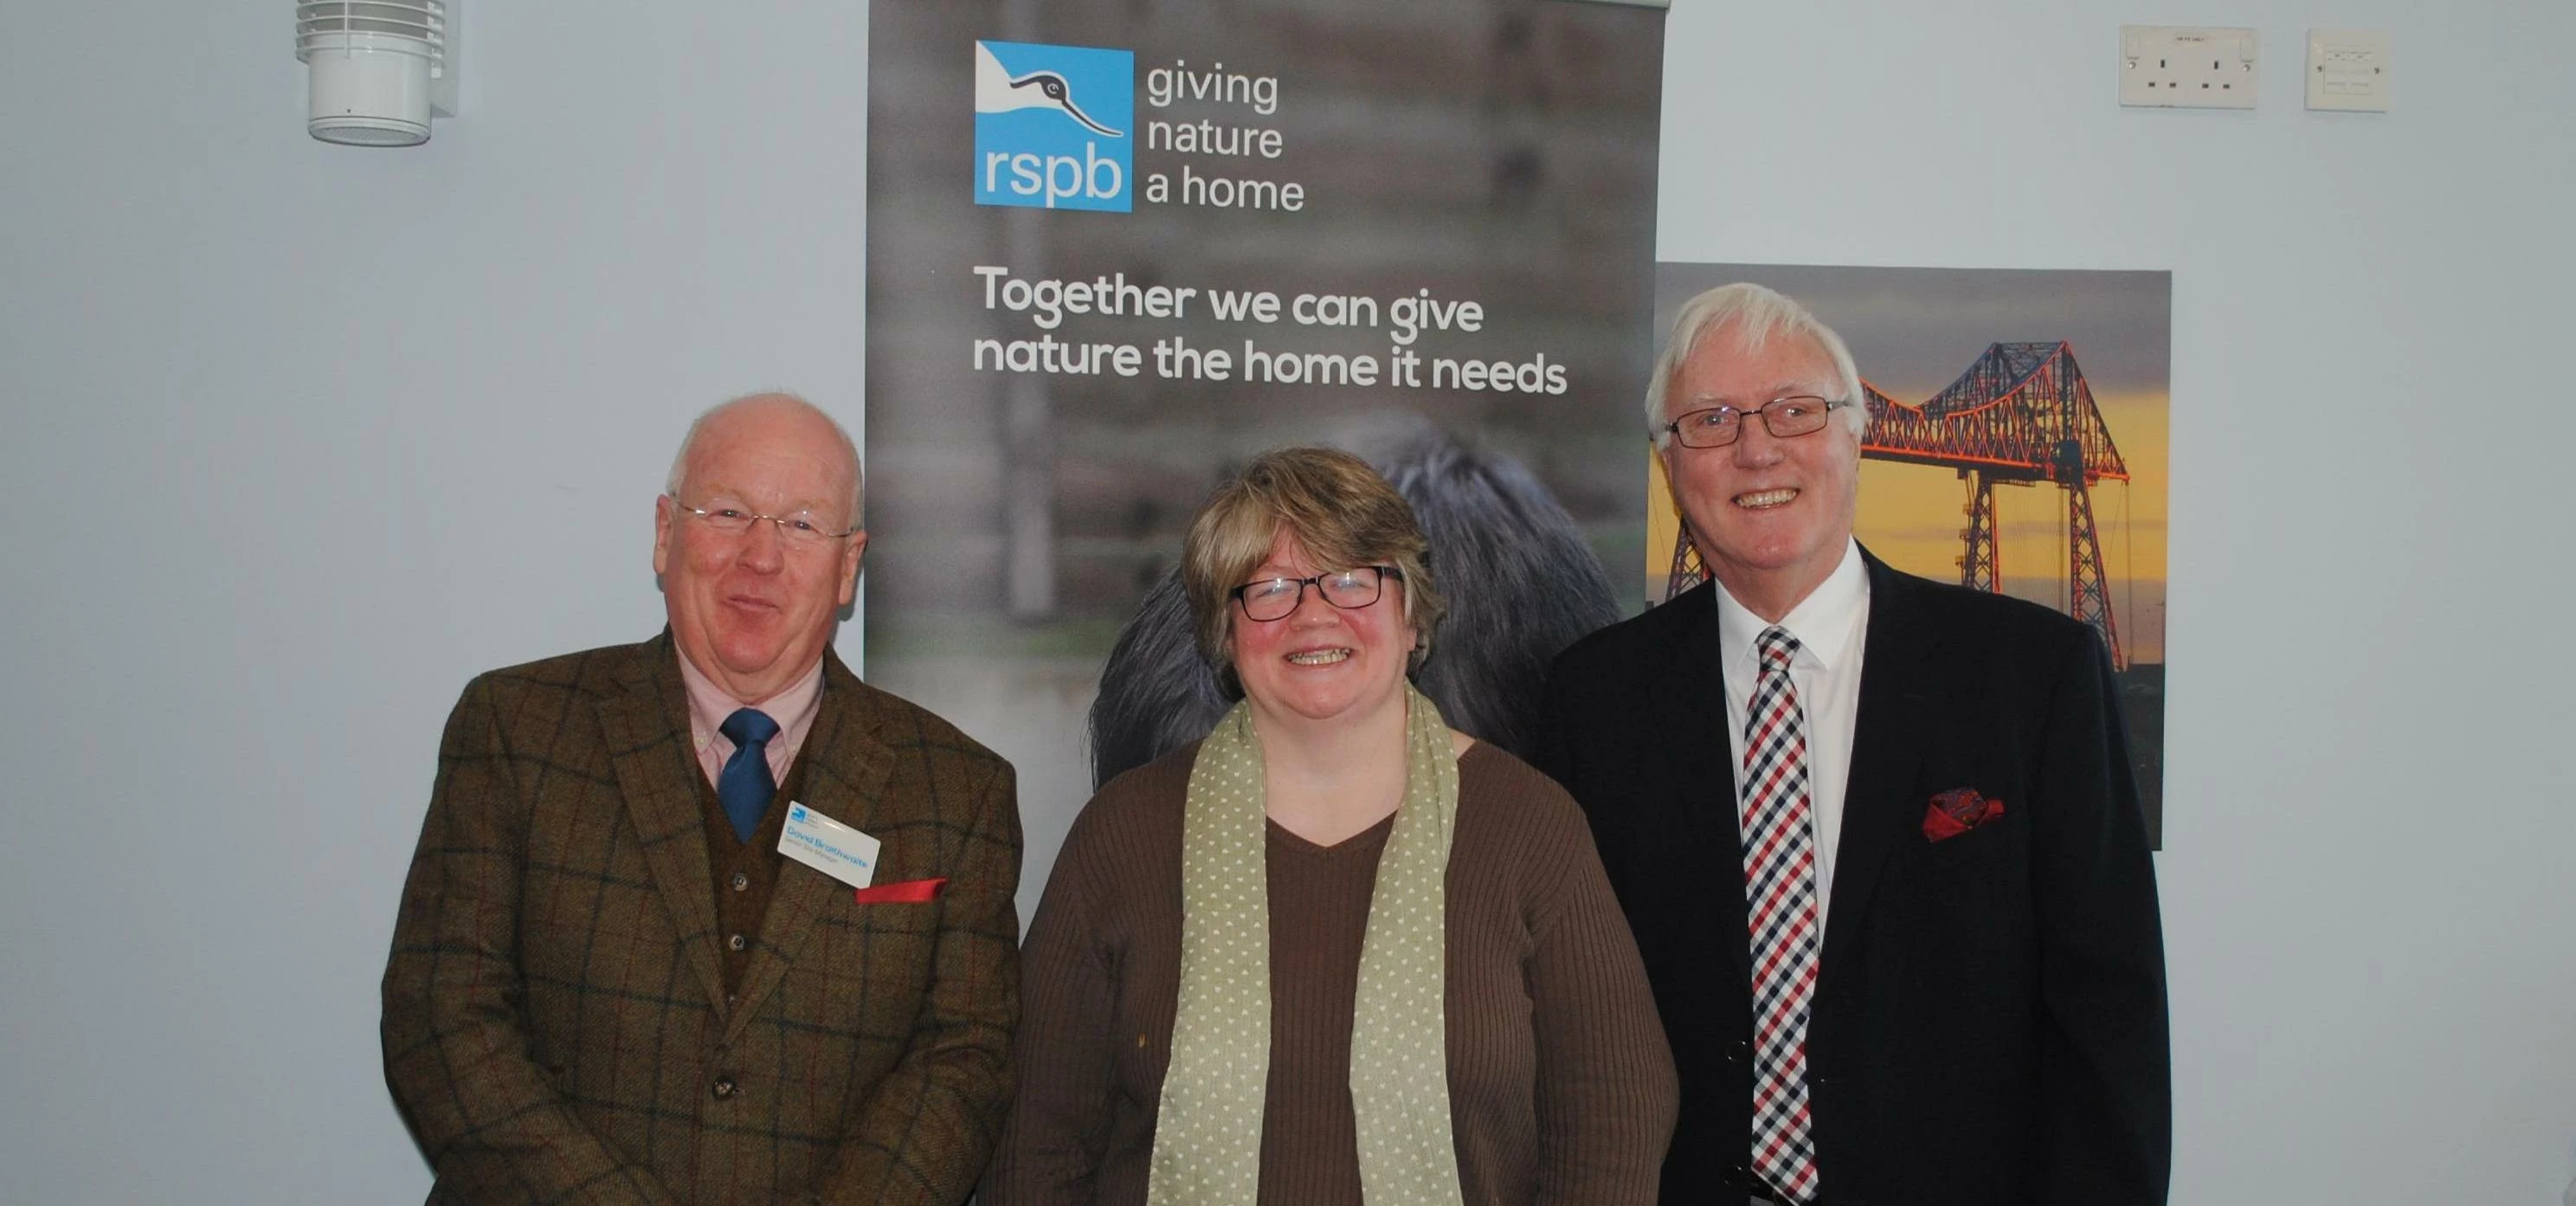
x: 1780, y: 904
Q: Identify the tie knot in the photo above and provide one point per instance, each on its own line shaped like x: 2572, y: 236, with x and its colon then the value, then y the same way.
x: 749, y: 727
x: 1775, y: 647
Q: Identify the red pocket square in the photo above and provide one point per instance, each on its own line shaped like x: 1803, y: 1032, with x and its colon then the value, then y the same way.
x: 1957, y: 811
x: 910, y: 891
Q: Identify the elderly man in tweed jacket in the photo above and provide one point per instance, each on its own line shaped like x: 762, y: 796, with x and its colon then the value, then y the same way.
x: 608, y: 984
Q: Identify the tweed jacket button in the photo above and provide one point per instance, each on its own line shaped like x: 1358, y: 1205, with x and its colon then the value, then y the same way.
x: 724, y: 1087
x: 741, y: 882
x: 737, y: 942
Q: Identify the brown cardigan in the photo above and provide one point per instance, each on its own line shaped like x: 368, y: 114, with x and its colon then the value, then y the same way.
x: 1561, y: 1086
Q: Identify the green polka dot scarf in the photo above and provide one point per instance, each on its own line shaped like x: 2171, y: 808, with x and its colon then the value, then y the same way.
x: 1207, y: 1139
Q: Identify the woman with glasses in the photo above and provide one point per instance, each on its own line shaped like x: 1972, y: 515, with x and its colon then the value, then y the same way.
x: 1336, y: 952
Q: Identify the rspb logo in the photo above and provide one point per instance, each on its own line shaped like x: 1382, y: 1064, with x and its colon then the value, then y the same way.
x: 1052, y: 125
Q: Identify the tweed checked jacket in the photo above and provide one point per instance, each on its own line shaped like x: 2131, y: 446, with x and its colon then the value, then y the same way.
x: 555, y: 1022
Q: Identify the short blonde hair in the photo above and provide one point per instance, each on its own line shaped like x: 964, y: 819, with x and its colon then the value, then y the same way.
x: 1336, y: 508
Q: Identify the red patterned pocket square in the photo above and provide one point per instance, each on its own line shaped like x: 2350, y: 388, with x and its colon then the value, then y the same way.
x: 1957, y: 811
x: 910, y: 891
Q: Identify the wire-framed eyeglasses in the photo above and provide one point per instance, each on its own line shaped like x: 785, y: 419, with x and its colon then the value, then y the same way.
x: 1718, y: 426
x: 1277, y: 598
x: 803, y: 529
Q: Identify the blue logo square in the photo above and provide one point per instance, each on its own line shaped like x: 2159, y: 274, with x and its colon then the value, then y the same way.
x: 1054, y: 126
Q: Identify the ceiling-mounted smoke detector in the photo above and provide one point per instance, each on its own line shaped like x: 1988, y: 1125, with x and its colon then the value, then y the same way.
x: 380, y: 68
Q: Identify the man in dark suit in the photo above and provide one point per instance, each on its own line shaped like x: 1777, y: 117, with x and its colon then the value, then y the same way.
x: 616, y: 978
x: 1876, y: 836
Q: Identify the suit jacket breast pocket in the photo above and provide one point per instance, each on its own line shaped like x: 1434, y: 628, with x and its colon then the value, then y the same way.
x: 1990, y: 834
x: 1985, y: 863
x: 1966, y: 817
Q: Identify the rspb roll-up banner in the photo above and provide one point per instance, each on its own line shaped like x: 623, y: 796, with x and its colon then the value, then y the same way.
x: 1115, y: 249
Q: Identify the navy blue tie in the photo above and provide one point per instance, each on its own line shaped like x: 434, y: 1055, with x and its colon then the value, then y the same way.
x: 746, y: 785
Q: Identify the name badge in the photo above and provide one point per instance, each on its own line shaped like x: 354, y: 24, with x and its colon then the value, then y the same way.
x: 828, y: 846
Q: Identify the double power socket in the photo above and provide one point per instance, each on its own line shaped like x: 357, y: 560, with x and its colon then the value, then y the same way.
x: 2186, y: 67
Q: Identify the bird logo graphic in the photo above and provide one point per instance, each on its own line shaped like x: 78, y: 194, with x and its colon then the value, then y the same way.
x: 998, y: 91
x: 1051, y: 126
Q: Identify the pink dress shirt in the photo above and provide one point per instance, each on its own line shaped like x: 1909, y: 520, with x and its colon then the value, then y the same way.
x: 793, y: 709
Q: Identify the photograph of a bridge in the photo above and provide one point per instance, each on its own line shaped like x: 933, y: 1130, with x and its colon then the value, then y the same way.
x: 2017, y: 443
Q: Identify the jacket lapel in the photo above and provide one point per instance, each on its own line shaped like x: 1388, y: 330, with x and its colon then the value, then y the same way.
x: 845, y: 769
x: 647, y: 728
x: 1690, y: 690
x: 1898, y: 697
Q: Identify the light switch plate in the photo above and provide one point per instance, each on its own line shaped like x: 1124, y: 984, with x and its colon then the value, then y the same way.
x: 2186, y: 67
x: 2348, y: 70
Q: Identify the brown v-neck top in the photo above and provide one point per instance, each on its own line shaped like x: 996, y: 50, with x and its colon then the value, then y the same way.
x: 1560, y: 1084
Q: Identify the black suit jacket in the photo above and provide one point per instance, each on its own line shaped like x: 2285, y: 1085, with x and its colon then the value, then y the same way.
x: 1989, y: 1020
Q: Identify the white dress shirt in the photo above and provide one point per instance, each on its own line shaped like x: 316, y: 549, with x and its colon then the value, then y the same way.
x: 1831, y: 625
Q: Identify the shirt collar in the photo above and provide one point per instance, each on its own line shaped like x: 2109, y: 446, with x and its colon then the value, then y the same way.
x: 710, y: 704
x: 1822, y: 622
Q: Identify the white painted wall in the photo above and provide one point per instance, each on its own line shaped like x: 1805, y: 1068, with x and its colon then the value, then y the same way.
x: 298, y: 438
x: 2370, y: 919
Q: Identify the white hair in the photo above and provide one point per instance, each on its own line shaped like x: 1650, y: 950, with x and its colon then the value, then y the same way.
x: 678, y: 482
x: 1757, y: 314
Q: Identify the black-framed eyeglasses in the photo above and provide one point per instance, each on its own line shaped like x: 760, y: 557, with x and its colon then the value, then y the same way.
x: 1718, y: 426
x: 800, y: 528
x: 1277, y: 598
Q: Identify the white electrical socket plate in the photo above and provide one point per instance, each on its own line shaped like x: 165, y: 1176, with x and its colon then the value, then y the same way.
x: 2186, y: 67
x: 2348, y: 70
